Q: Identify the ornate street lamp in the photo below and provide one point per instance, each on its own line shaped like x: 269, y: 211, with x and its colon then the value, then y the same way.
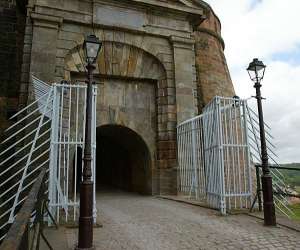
x: 256, y: 71
x: 91, y: 47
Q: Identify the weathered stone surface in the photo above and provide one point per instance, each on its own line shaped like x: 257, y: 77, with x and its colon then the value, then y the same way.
x: 12, y: 28
x: 132, y: 222
x: 212, y: 71
x: 159, y: 64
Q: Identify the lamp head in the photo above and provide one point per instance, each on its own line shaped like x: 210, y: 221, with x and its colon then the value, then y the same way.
x: 256, y: 70
x: 91, y: 48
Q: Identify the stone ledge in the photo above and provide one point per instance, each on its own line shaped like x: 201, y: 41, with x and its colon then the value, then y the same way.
x: 46, y: 20
x: 181, y: 40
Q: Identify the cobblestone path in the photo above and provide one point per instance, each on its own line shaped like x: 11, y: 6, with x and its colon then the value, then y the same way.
x: 140, y: 222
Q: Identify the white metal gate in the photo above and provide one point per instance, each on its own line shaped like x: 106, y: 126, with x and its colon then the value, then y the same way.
x: 214, y: 156
x: 50, y: 133
x: 67, y: 147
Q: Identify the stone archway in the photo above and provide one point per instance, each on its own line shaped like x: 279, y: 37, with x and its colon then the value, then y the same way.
x: 134, y: 91
x: 123, y: 160
x: 119, y: 59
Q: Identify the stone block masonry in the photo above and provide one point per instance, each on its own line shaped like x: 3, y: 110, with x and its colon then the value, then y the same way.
x: 12, y: 20
x: 173, y: 46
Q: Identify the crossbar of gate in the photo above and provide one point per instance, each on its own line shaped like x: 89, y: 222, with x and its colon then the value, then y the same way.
x: 214, y: 156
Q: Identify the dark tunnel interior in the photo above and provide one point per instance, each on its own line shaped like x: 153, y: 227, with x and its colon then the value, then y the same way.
x: 123, y: 160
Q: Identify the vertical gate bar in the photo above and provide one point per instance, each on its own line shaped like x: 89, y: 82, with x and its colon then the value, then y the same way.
x: 194, y: 161
x: 243, y: 163
x: 201, y: 142
x: 179, y: 163
x: 221, y: 153
x: 68, y: 152
x: 213, y: 160
x: 76, y: 154
x: 210, y: 152
x: 59, y: 150
x: 64, y: 173
x: 187, y: 159
x: 184, y: 159
x: 179, y: 160
x: 197, y: 157
x: 191, y: 168
x: 245, y: 104
x: 237, y: 147
x: 226, y: 158
x: 53, y: 153
x: 232, y: 156
x: 180, y: 156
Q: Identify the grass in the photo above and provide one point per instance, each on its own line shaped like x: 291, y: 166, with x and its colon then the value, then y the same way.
x: 296, y: 209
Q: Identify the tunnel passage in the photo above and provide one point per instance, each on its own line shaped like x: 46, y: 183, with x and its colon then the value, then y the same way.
x: 123, y: 160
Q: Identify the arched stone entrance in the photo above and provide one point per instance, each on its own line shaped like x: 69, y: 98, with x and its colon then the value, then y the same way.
x: 135, y: 90
x: 123, y: 160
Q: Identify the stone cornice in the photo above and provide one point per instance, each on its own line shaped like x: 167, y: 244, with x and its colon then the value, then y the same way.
x: 164, y: 5
x: 48, y: 21
x: 182, y: 40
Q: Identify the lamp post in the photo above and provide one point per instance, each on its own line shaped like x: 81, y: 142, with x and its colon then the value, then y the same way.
x: 91, y: 47
x: 256, y: 71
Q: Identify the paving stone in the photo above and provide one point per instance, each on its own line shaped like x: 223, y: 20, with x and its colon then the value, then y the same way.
x: 142, y: 222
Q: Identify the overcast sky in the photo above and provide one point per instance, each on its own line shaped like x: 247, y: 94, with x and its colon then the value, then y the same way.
x: 269, y: 30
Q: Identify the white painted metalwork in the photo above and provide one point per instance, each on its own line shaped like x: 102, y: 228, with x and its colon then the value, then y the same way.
x: 24, y: 152
x: 217, y: 152
x: 49, y: 133
x: 67, y: 145
x: 214, y: 156
x: 279, y: 185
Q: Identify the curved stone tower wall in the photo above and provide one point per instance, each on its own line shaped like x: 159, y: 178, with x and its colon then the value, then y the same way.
x: 213, y: 76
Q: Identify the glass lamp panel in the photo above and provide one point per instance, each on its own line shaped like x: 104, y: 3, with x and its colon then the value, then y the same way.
x: 252, y: 74
x: 92, y: 51
x: 261, y: 72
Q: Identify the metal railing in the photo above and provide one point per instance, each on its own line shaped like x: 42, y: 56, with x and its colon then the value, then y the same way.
x: 27, y: 229
x: 24, y: 152
x: 48, y: 133
x: 214, y: 156
x: 283, y: 192
x: 279, y: 184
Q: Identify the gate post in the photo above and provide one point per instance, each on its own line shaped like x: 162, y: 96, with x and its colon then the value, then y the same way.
x: 53, y: 152
x: 220, y: 156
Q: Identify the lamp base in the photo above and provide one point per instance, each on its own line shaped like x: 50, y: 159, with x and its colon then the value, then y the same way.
x: 269, y: 207
x: 91, y: 248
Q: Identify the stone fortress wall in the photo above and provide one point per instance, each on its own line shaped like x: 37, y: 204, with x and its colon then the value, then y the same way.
x: 170, y: 48
x: 12, y: 28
